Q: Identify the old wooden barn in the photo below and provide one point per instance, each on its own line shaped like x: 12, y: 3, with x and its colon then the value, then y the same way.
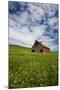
x: 39, y: 47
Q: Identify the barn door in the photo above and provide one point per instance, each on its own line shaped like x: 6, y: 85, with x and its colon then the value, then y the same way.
x: 41, y: 50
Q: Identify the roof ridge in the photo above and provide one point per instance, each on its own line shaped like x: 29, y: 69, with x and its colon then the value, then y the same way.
x: 41, y: 44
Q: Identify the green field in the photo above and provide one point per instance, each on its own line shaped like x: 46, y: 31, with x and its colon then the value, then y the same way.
x: 28, y: 69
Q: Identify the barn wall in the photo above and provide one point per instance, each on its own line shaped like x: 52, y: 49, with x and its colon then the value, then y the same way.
x: 46, y: 50
x: 36, y: 49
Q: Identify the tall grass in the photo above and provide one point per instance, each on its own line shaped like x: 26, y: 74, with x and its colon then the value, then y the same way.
x: 28, y: 69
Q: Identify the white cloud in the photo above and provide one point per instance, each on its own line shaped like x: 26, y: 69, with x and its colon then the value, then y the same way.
x: 52, y: 21
x: 38, y: 31
x: 49, y: 9
x: 36, y: 12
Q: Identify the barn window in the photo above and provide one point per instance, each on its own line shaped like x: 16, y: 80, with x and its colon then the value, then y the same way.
x: 41, y: 50
x: 33, y: 50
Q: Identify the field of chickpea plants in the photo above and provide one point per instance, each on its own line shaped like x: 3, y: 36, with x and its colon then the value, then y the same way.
x: 28, y: 69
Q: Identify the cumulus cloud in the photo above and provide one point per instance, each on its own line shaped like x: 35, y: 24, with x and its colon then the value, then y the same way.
x: 33, y: 21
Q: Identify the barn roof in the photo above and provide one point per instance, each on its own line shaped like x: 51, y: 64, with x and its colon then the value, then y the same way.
x: 41, y: 44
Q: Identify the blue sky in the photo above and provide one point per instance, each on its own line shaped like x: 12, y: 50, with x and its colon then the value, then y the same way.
x: 29, y: 21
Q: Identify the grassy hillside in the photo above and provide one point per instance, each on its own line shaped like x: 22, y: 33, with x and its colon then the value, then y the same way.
x: 28, y: 69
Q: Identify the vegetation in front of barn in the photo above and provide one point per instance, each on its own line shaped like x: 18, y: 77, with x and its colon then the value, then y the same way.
x: 28, y: 69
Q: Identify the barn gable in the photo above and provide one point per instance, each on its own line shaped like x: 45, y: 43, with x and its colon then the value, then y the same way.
x: 38, y: 47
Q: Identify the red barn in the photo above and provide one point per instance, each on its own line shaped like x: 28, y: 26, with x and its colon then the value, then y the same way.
x: 38, y: 47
